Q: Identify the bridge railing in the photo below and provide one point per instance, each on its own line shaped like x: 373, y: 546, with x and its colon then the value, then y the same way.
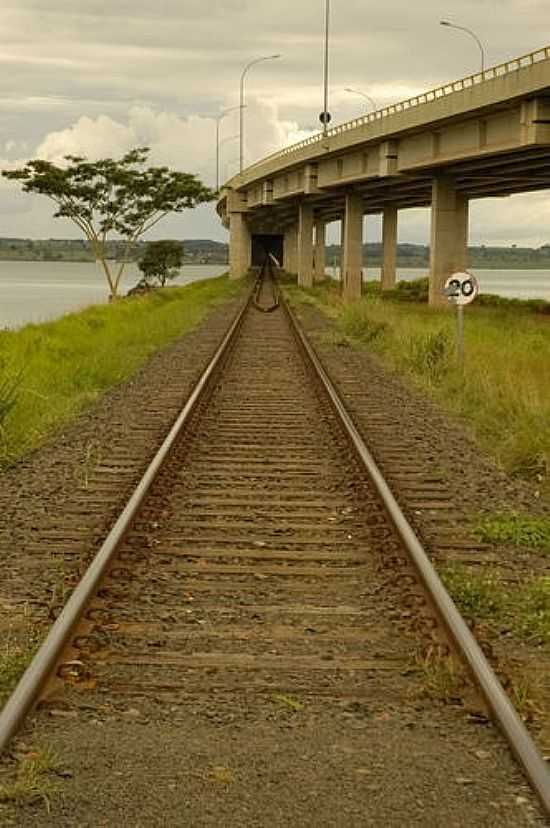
x: 418, y: 100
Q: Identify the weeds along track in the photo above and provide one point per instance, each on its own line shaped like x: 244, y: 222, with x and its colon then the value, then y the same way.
x: 261, y: 560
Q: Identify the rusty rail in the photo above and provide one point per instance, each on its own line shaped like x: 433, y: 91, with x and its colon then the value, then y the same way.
x: 505, y: 715
x: 27, y: 692
x: 44, y: 663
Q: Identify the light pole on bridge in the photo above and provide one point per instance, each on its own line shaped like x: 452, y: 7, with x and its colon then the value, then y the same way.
x: 363, y: 95
x: 242, y: 104
x: 325, y: 114
x: 472, y: 34
x: 219, y: 118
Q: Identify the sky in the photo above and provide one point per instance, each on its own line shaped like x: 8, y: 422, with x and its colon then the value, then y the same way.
x: 97, y: 78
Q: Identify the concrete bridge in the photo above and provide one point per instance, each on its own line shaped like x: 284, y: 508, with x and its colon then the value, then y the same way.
x: 484, y: 135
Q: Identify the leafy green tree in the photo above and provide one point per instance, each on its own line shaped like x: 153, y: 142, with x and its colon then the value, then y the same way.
x: 110, y: 196
x: 161, y: 261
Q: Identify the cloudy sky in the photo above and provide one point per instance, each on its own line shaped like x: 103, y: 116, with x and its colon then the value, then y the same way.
x: 99, y: 77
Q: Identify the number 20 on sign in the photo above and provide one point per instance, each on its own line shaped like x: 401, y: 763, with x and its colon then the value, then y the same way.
x: 461, y: 289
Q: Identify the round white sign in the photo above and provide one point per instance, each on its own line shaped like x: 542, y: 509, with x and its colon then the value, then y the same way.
x: 461, y: 288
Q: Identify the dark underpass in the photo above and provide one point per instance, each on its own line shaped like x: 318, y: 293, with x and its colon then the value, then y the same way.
x: 267, y: 244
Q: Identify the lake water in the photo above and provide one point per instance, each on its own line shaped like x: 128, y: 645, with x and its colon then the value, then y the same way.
x: 37, y: 291
x: 519, y: 284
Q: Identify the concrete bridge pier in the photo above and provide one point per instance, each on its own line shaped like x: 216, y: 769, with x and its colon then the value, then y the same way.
x: 305, y: 245
x: 319, y: 257
x: 352, y: 248
x: 290, y: 249
x: 449, y: 236
x: 240, y: 245
x: 389, y: 247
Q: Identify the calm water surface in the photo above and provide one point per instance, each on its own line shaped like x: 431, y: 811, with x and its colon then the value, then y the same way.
x: 37, y: 291
x: 519, y: 284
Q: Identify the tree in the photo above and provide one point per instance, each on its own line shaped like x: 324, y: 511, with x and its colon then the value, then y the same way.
x: 161, y: 261
x: 107, y: 196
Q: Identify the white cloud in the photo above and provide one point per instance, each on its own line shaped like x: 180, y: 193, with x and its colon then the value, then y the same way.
x: 94, y: 138
x: 179, y: 142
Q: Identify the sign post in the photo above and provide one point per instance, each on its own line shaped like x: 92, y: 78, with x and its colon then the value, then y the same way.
x: 460, y: 289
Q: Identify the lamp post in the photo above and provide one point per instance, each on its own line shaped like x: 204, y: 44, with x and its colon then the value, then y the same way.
x: 226, y: 141
x: 472, y: 34
x: 241, y: 104
x: 325, y: 115
x: 219, y: 118
x: 363, y: 95
x: 230, y: 163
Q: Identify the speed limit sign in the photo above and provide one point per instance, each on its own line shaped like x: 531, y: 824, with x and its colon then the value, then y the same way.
x: 461, y: 288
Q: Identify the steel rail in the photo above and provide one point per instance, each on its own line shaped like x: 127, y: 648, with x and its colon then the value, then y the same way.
x: 47, y: 658
x: 27, y: 691
x: 267, y: 268
x: 504, y: 713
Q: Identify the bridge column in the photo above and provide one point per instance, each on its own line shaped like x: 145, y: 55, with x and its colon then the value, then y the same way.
x: 290, y: 249
x: 353, y: 247
x: 389, y: 247
x: 320, y: 239
x: 449, y: 236
x: 240, y: 246
x: 305, y: 245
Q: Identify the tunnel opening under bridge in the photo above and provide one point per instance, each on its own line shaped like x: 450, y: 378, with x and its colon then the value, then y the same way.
x: 266, y: 244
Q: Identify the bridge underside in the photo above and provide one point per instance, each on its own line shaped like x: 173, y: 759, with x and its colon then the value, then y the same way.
x: 493, y: 176
x: 485, y: 140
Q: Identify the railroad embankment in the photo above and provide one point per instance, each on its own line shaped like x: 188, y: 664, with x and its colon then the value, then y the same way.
x: 502, y: 395
x: 260, y: 606
x: 52, y: 371
x: 483, y: 434
x: 58, y: 499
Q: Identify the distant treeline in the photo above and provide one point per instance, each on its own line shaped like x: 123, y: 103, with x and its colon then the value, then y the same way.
x: 418, y: 255
x: 198, y: 251
x: 205, y: 251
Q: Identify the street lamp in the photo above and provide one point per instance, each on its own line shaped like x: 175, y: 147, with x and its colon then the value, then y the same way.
x: 219, y: 118
x: 472, y: 34
x: 229, y: 163
x: 363, y: 95
x: 325, y: 115
x: 241, y: 104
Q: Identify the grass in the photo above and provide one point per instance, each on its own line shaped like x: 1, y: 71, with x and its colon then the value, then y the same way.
x: 34, y: 780
x: 533, y: 619
x: 443, y: 676
x: 52, y: 371
x: 16, y: 652
x: 519, y: 530
x: 478, y: 596
x: 523, y: 609
x: 416, y: 290
x: 288, y: 701
x: 526, y: 692
x: 503, y: 395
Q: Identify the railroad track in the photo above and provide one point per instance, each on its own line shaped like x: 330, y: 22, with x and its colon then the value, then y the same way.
x: 262, y: 554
